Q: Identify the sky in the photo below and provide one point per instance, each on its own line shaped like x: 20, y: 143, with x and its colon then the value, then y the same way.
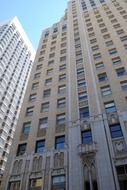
x: 34, y: 15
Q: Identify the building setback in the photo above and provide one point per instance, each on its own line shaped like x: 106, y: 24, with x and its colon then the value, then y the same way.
x: 72, y: 130
x: 16, y: 60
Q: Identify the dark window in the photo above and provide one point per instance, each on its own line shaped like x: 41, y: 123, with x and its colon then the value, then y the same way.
x: 120, y: 71
x: 21, y: 149
x: 46, y: 93
x: 102, y: 77
x: 29, y: 111
x: 87, y: 136
x: 84, y: 112
x: 116, y: 131
x: 26, y: 128
x: 40, y: 146
x: 59, y: 142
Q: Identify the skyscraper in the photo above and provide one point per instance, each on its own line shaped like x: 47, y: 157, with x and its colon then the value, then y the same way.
x: 72, y: 130
x: 16, y: 60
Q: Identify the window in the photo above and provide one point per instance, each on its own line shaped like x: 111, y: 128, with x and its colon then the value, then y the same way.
x: 124, y: 85
x: 50, y: 63
x: 123, y: 38
x: 43, y: 123
x: 121, y: 170
x: 102, y: 77
x: 32, y: 97
x: 97, y: 56
x: 94, y: 48
x: 78, y: 53
x: 53, y: 42
x: 61, y: 103
x: 82, y: 96
x: 49, y: 72
x: 62, y: 67
x: 106, y: 36
x: 116, y: 131
x: 86, y: 137
x: 62, y: 77
x: 81, y: 83
x: 14, y: 185
x: 51, y: 55
x: 40, y: 146
x: 99, y: 65
x: 63, y: 51
x: 59, y: 142
x: 48, y: 81
x: 37, y: 75
x: 110, y: 107
x: 53, y: 48
x: 119, y: 32
x: 46, y: 33
x: 60, y: 119
x: 46, y: 93
x: 35, y: 85
x: 109, y: 43
x: 39, y: 67
x: 79, y: 61
x: 116, y: 60
x: 58, y: 179
x: 63, y: 44
x: 55, y: 30
x: 63, y: 58
x: 61, y: 89
x: 93, y: 41
x: 121, y: 71
x: 54, y: 37
x: 116, y: 26
x: 106, y: 90
x: 40, y: 59
x: 21, y: 149
x: 63, y: 39
x: 26, y: 128
x: 64, y: 27
x: 84, y: 112
x: 29, y: 111
x: 42, y: 52
x: 112, y: 51
x: 80, y: 71
x: 36, y: 183
x: 43, y: 46
x: 45, y: 107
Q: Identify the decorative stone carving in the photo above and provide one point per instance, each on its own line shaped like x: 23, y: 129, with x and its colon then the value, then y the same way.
x: 113, y: 118
x: 59, y: 160
x: 120, y: 147
x: 37, y: 164
x: 17, y: 167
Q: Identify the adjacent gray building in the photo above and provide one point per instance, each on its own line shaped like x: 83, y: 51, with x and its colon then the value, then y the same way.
x: 16, y: 60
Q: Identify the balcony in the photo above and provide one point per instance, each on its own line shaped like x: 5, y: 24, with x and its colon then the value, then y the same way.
x: 87, y: 149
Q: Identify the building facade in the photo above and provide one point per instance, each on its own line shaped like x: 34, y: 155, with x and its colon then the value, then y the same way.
x: 16, y: 60
x: 72, y: 130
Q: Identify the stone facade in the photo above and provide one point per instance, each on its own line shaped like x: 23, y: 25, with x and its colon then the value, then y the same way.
x: 77, y: 139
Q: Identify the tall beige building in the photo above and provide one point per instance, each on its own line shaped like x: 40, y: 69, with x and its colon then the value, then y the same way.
x: 72, y: 130
x: 16, y: 60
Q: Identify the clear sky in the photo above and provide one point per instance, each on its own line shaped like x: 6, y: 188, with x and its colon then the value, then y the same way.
x: 34, y: 15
